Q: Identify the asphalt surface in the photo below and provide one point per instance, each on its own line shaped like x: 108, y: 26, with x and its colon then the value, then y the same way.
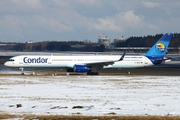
x: 161, y: 70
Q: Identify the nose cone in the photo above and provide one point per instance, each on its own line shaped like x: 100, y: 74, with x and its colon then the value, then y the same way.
x: 6, y: 64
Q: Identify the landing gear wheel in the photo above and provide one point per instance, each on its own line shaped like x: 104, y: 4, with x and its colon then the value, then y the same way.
x: 92, y: 73
x: 22, y: 72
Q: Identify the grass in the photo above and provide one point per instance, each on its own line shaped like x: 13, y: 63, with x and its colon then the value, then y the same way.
x: 81, y: 117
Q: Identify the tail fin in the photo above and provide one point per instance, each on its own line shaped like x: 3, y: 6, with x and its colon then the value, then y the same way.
x: 157, y: 52
x: 159, y: 49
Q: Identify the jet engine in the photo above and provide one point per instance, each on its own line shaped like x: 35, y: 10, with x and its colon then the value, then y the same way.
x: 81, y: 68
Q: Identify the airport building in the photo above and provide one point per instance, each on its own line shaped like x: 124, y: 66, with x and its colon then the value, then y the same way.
x: 104, y: 41
x: 117, y: 40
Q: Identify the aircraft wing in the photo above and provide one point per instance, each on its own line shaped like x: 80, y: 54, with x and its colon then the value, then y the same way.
x: 104, y: 63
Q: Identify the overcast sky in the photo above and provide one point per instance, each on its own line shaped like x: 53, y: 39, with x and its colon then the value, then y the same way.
x: 65, y: 20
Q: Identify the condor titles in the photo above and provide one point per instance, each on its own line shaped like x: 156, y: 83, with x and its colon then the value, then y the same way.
x: 35, y: 60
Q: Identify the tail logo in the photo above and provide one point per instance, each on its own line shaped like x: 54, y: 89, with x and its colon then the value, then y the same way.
x: 160, y: 47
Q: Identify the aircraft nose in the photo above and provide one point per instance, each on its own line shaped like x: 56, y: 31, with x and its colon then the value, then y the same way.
x: 6, y: 64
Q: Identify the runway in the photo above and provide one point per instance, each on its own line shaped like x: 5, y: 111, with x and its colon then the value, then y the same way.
x: 161, y: 70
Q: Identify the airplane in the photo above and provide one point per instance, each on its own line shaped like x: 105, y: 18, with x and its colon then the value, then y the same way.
x: 88, y: 64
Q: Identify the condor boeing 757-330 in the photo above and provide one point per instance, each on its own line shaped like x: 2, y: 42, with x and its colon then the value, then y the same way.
x: 89, y: 64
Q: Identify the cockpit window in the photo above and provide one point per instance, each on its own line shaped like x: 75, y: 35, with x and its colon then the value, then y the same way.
x: 11, y: 60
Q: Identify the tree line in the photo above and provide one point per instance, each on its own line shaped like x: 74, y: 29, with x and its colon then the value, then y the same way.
x: 55, y: 46
x: 145, y: 41
x: 148, y: 41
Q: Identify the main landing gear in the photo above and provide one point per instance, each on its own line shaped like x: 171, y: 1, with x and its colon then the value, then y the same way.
x: 92, y: 73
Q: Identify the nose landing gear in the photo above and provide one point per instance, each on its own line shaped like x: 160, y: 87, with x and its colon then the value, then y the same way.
x: 22, y: 71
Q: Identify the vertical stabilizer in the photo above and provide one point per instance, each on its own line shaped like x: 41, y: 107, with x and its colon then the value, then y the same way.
x: 157, y: 52
x: 160, y: 48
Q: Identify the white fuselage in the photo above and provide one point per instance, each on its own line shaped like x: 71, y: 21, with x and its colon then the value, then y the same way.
x: 70, y: 61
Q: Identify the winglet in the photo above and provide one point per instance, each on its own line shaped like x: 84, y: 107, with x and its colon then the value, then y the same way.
x: 122, y: 57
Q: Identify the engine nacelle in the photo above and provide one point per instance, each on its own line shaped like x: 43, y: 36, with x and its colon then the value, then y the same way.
x: 81, y: 68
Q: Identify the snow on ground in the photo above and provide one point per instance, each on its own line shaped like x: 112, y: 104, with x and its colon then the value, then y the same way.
x: 97, y: 95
